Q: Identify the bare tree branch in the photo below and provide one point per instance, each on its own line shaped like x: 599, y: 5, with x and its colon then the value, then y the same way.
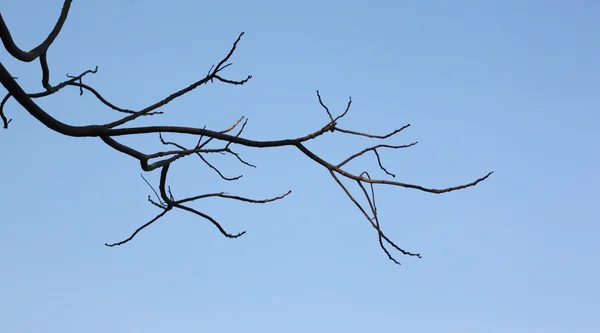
x: 223, y: 140
x: 39, y: 50
x: 138, y: 229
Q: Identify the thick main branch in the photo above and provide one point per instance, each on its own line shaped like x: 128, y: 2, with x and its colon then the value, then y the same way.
x: 17, y: 53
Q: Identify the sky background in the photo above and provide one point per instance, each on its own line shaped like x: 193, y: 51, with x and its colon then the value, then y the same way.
x: 505, y: 86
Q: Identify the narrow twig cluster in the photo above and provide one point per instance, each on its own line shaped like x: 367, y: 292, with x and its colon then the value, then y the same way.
x: 162, y: 159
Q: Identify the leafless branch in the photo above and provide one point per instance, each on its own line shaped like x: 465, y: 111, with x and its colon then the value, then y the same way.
x: 162, y: 159
x: 138, y: 229
x: 37, y: 51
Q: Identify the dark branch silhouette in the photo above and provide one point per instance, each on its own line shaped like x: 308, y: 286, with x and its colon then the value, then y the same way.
x: 122, y: 126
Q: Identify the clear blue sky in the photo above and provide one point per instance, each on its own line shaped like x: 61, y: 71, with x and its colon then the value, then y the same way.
x: 509, y: 86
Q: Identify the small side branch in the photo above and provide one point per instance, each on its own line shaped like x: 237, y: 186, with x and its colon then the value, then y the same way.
x: 138, y: 229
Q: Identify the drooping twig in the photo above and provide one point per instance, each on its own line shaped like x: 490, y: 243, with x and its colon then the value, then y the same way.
x: 138, y: 229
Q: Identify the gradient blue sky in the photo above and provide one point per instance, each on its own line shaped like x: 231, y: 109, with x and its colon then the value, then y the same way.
x: 509, y: 86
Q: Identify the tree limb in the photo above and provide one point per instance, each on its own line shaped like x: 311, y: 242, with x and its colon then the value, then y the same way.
x: 163, y: 159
